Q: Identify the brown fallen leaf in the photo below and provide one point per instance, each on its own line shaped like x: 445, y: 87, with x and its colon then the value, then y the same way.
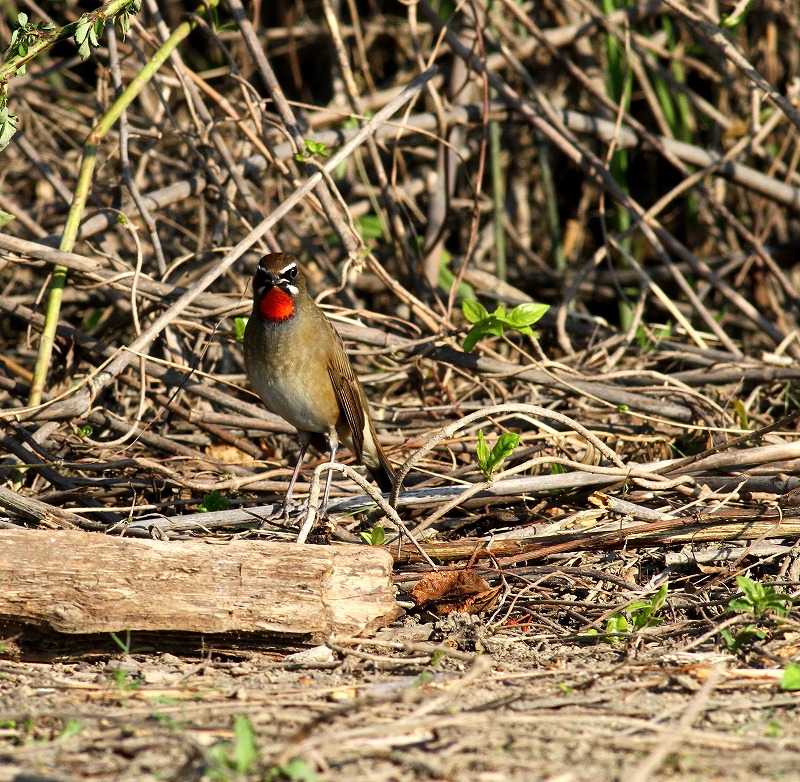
x: 229, y: 454
x: 463, y: 591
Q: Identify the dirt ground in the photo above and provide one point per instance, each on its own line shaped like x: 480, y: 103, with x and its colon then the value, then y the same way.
x: 499, y: 700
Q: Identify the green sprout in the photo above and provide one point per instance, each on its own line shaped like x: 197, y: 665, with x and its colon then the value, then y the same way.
x: 376, y: 537
x: 759, y: 599
x: 496, y: 323
x: 213, y: 502
x: 238, y: 756
x: 490, y: 461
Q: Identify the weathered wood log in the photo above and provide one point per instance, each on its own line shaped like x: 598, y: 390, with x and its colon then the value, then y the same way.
x: 80, y: 582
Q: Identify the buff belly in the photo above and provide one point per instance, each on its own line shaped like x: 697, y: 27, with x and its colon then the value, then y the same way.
x: 292, y: 382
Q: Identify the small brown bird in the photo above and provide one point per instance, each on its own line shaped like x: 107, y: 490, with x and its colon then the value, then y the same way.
x: 297, y: 364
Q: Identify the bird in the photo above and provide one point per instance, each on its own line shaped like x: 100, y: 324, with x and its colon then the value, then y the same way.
x: 296, y: 362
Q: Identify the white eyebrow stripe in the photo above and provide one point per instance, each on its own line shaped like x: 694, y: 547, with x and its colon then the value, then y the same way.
x: 286, y: 268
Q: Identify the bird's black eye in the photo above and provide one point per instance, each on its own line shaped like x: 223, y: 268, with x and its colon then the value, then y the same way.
x: 290, y: 273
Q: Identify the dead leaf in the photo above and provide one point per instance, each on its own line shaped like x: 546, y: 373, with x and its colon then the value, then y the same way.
x: 463, y: 591
x: 229, y: 454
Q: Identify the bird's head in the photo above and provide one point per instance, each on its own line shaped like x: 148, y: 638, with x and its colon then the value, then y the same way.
x: 277, y: 284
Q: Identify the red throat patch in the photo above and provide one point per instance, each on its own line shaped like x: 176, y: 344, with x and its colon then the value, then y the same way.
x: 277, y: 305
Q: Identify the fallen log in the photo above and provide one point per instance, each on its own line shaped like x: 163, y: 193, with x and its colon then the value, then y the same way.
x: 81, y: 582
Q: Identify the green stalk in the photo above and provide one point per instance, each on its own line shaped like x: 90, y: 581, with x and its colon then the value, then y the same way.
x: 498, y: 199
x: 82, y: 193
x: 619, y: 84
x: 550, y: 203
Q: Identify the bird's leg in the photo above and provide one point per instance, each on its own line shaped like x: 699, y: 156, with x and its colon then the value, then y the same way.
x: 334, y: 444
x: 305, y: 438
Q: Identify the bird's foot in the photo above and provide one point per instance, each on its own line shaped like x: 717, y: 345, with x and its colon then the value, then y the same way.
x: 283, y: 513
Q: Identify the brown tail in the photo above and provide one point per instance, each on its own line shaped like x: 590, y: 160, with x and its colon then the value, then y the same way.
x: 377, y: 462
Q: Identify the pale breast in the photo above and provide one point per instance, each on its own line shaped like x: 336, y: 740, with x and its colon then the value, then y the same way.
x: 287, y: 367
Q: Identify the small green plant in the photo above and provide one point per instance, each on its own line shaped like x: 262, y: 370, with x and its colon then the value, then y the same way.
x: 124, y: 682
x: 790, y: 681
x: 85, y: 431
x: 238, y: 756
x: 213, y: 502
x: 496, y: 323
x: 759, y: 599
x: 643, y: 612
x: 376, y: 537
x: 557, y: 469
x: 72, y: 727
x: 296, y: 770
x: 743, y: 636
x: 638, y: 615
x: 125, y: 646
x: 422, y: 678
x: 649, y: 340
x: 313, y: 149
x: 489, y: 461
x: 439, y: 654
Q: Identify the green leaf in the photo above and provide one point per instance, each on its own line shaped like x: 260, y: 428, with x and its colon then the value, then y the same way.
x: 316, y: 147
x: 503, y: 448
x: 376, y: 537
x: 790, y: 681
x: 447, y: 278
x: 5, y: 217
x: 615, y: 624
x: 72, y: 727
x: 123, y: 22
x: 239, y: 325
x: 475, y: 335
x: 213, y: 502
x: 245, y: 751
x: 296, y: 770
x: 527, y: 313
x: 370, y: 227
x: 22, y: 19
x: 474, y: 311
x: 8, y: 127
x: 482, y: 451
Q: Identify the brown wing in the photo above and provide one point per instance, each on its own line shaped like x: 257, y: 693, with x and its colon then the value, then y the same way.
x: 349, y: 395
